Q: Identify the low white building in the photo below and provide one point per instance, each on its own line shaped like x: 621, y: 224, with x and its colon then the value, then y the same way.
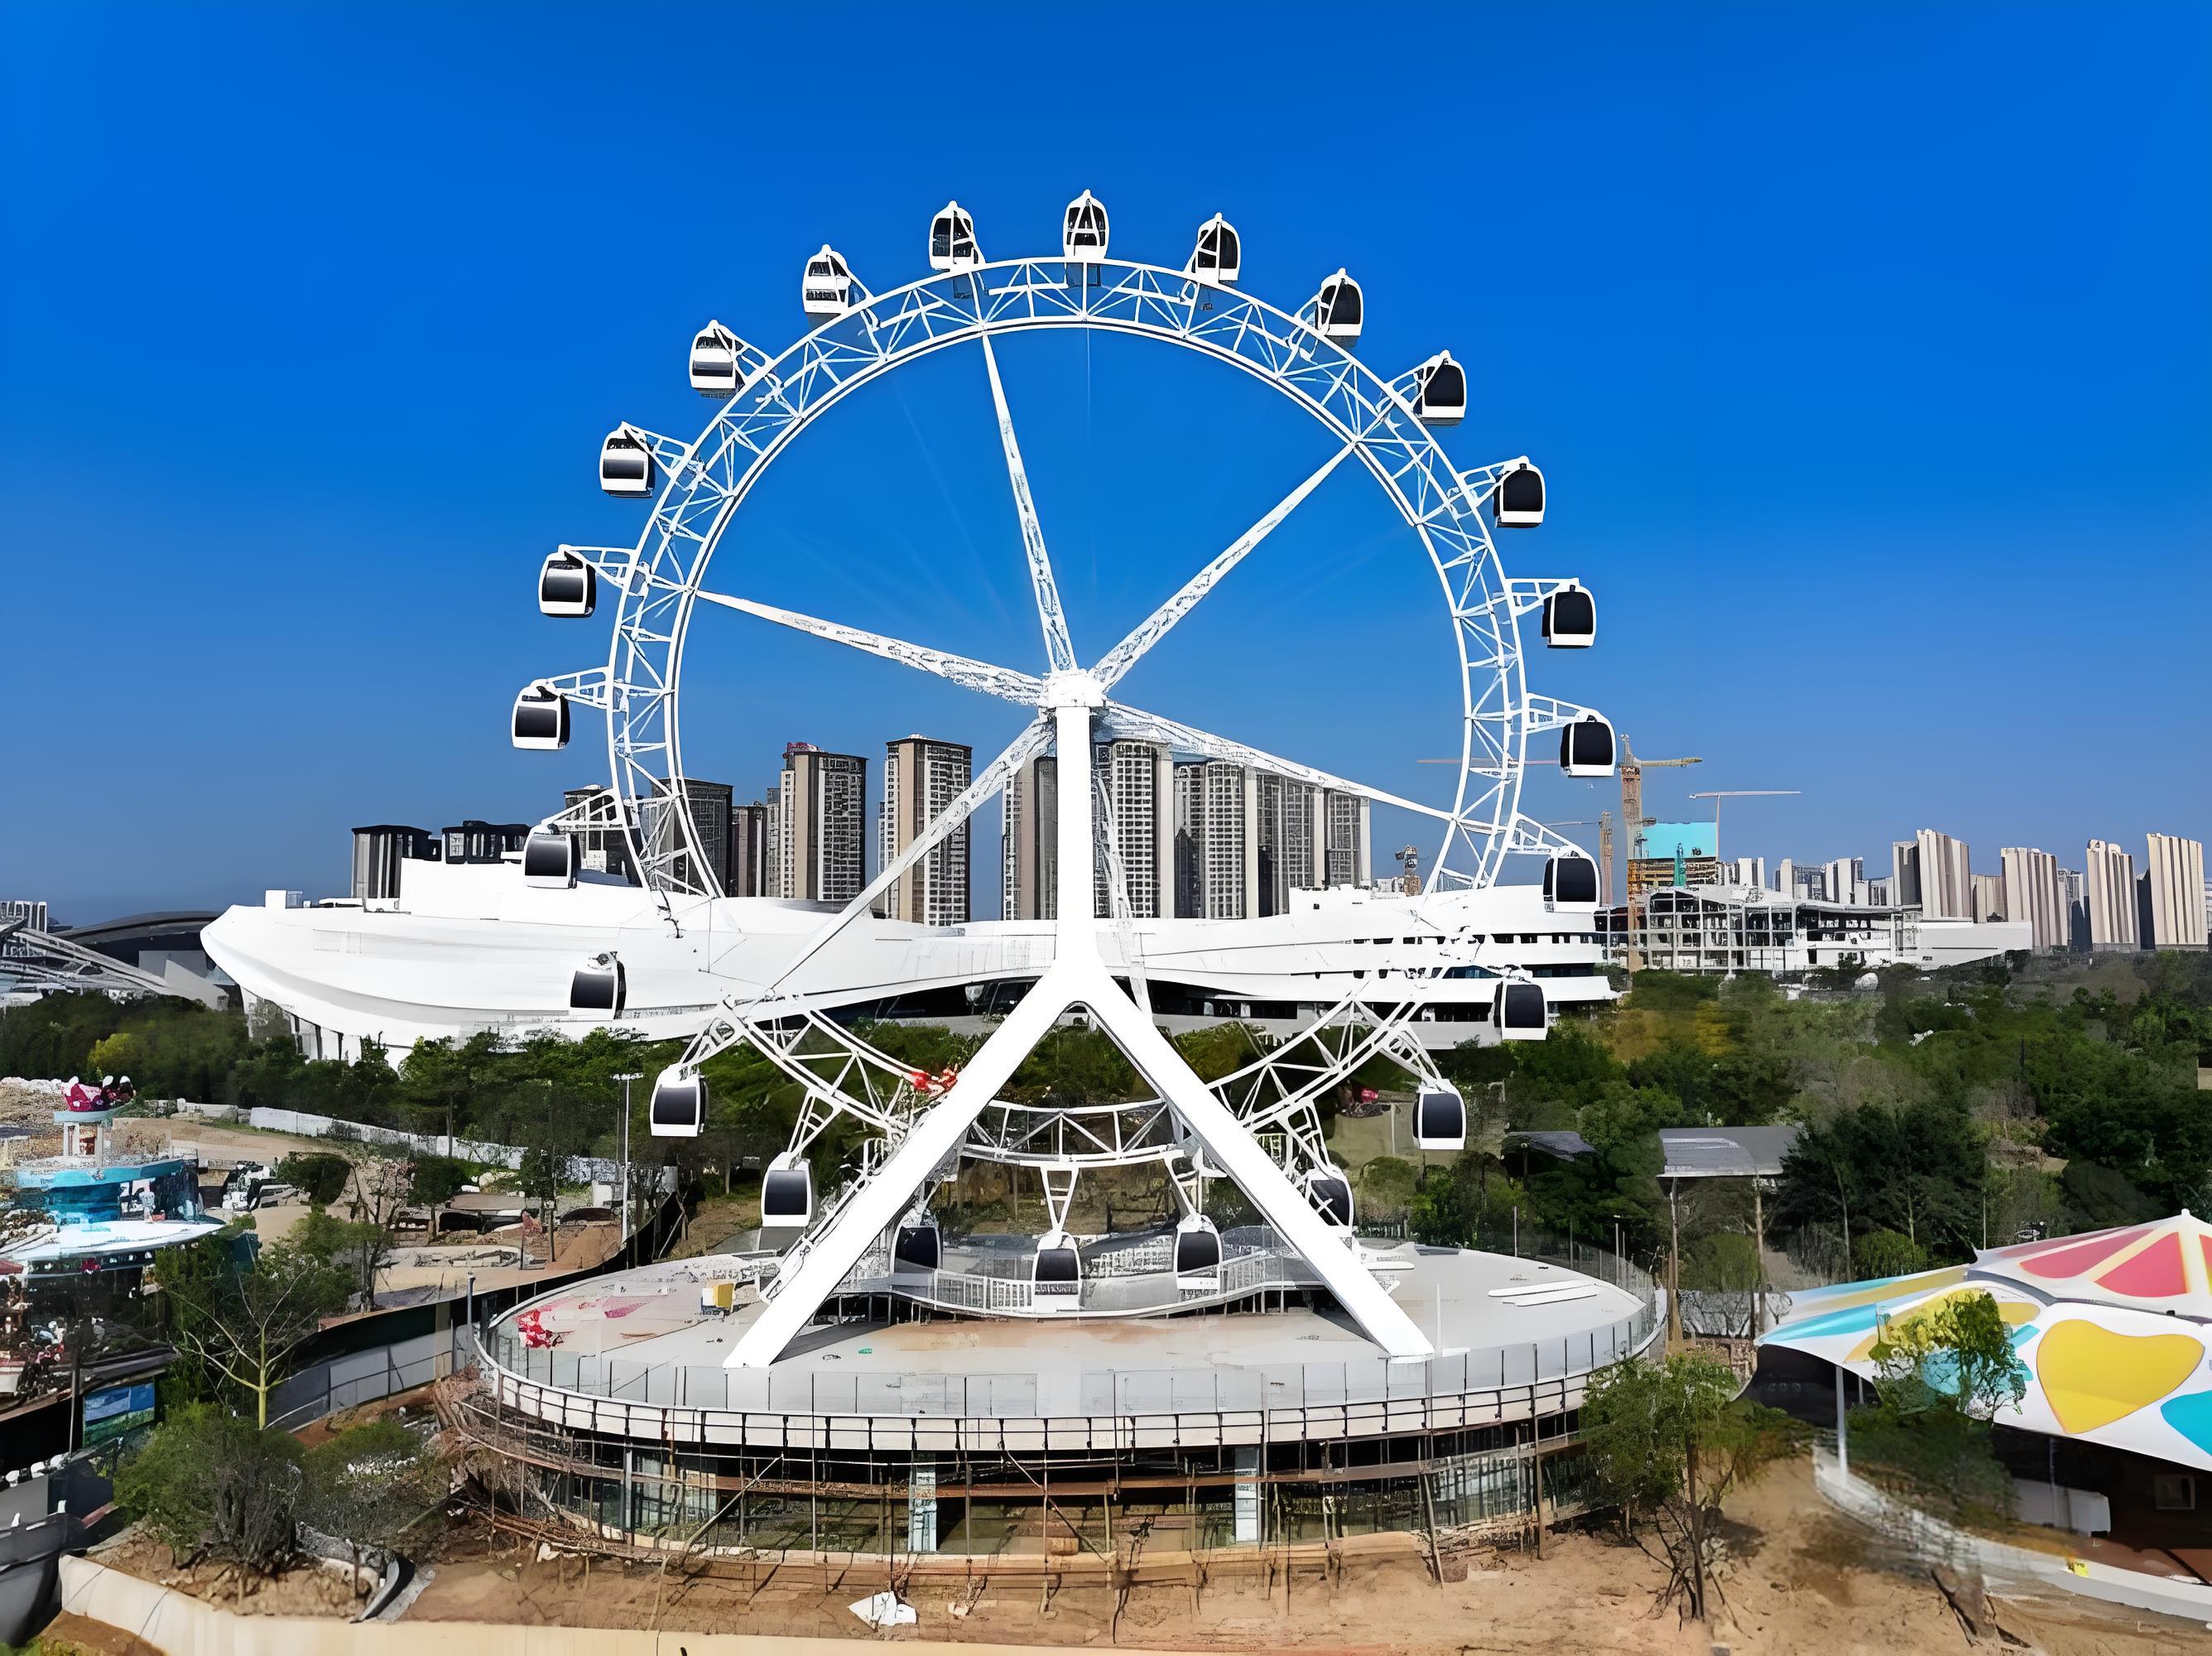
x: 1747, y: 929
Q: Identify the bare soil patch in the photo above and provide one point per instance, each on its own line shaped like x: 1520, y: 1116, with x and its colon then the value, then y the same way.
x: 1799, y: 1581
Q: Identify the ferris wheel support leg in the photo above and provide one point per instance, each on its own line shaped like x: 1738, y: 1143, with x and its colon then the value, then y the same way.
x: 1230, y: 1146
x: 887, y: 1194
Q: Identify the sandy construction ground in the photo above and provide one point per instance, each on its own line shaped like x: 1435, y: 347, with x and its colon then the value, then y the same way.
x: 1801, y: 1581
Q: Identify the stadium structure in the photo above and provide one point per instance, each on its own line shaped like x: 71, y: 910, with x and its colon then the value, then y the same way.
x: 1239, y: 1363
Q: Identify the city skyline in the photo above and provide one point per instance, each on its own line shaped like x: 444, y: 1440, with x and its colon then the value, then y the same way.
x: 1642, y: 337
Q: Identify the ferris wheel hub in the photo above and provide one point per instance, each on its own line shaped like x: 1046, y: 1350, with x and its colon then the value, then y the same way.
x: 1077, y: 689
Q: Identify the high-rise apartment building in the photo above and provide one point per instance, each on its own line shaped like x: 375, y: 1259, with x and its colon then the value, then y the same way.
x: 1139, y: 784
x: 1347, y: 847
x: 822, y: 829
x: 474, y: 841
x: 1289, y: 838
x: 749, y: 863
x: 2172, y: 893
x: 1904, y: 873
x: 1934, y: 874
x: 1189, y: 849
x: 1216, y: 841
x: 1881, y: 892
x: 1029, y: 849
x: 2110, y: 873
x: 1989, y: 897
x: 921, y: 778
x: 378, y: 851
x: 773, y: 883
x: 703, y: 865
x: 601, y: 845
x: 2031, y: 893
x: 1843, y: 880
x: 1749, y: 871
x: 2074, y: 892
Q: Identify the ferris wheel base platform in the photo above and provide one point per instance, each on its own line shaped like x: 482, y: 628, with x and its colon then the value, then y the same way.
x: 636, y: 1357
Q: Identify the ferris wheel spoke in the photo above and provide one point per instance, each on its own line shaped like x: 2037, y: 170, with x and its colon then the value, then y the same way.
x: 973, y: 675
x: 1032, y: 740
x: 1150, y: 726
x: 1060, y: 654
x: 1157, y: 625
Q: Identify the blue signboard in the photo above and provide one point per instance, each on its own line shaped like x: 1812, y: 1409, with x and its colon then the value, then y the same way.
x: 118, y: 1410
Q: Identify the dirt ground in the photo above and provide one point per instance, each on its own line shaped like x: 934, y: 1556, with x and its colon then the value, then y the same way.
x: 1800, y: 1580
x: 303, y: 1591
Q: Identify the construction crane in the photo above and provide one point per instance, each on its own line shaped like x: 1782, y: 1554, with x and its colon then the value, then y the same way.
x: 1632, y: 819
x: 1633, y: 822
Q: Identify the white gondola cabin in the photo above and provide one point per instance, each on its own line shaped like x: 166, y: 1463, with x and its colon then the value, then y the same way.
x: 679, y: 1105
x: 1219, y: 255
x: 626, y: 467
x: 1571, y: 882
x: 599, y: 986
x: 1440, y: 390
x: 1586, y: 747
x: 1330, y: 1192
x: 548, y: 860
x: 825, y: 289
x: 1518, y: 502
x: 567, y: 586
x: 1439, y: 1117
x: 919, y: 1245
x: 952, y: 240
x: 1057, y: 1274
x: 541, y: 719
x: 1340, y: 309
x: 718, y: 362
x: 1517, y: 1010
x: 1197, y: 1255
x: 787, y: 1193
x: 1083, y: 232
x: 1569, y: 618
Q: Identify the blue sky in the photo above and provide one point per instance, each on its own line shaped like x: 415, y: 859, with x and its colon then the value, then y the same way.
x: 1866, y: 350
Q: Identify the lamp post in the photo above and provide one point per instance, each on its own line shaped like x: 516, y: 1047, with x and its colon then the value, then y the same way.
x: 626, y: 1078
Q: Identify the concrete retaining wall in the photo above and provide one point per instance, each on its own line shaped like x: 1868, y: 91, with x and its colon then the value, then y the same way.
x: 180, y: 1625
x: 2000, y: 1563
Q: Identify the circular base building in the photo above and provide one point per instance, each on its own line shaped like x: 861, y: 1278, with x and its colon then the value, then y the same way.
x: 909, y: 1419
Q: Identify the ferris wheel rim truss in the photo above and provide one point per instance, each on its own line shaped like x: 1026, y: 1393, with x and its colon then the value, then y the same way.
x: 658, y: 581
x: 915, y: 1145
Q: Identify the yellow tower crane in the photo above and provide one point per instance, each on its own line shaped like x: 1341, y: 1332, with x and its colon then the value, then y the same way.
x: 1633, y: 822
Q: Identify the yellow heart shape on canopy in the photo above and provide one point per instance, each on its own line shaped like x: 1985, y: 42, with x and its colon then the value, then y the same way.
x: 2094, y: 1377
x: 2015, y: 1313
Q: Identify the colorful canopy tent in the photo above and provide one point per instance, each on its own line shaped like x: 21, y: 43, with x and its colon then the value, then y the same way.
x: 2111, y: 1329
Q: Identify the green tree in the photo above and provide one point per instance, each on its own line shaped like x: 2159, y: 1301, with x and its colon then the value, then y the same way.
x: 120, y: 1054
x: 1887, y: 1253
x: 540, y: 1179
x: 208, y: 1485
x: 436, y: 1181
x: 248, y: 1324
x: 1671, y: 1441
x: 376, y: 1190
x: 317, y: 1175
x: 1944, y: 1370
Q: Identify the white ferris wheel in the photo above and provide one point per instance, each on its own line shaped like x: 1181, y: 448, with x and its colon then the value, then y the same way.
x: 923, y: 1128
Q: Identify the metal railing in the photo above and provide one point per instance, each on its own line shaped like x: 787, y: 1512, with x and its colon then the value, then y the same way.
x: 1044, y: 1393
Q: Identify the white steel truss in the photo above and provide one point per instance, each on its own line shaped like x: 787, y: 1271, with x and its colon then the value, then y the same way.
x: 922, y: 1128
x: 657, y: 584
